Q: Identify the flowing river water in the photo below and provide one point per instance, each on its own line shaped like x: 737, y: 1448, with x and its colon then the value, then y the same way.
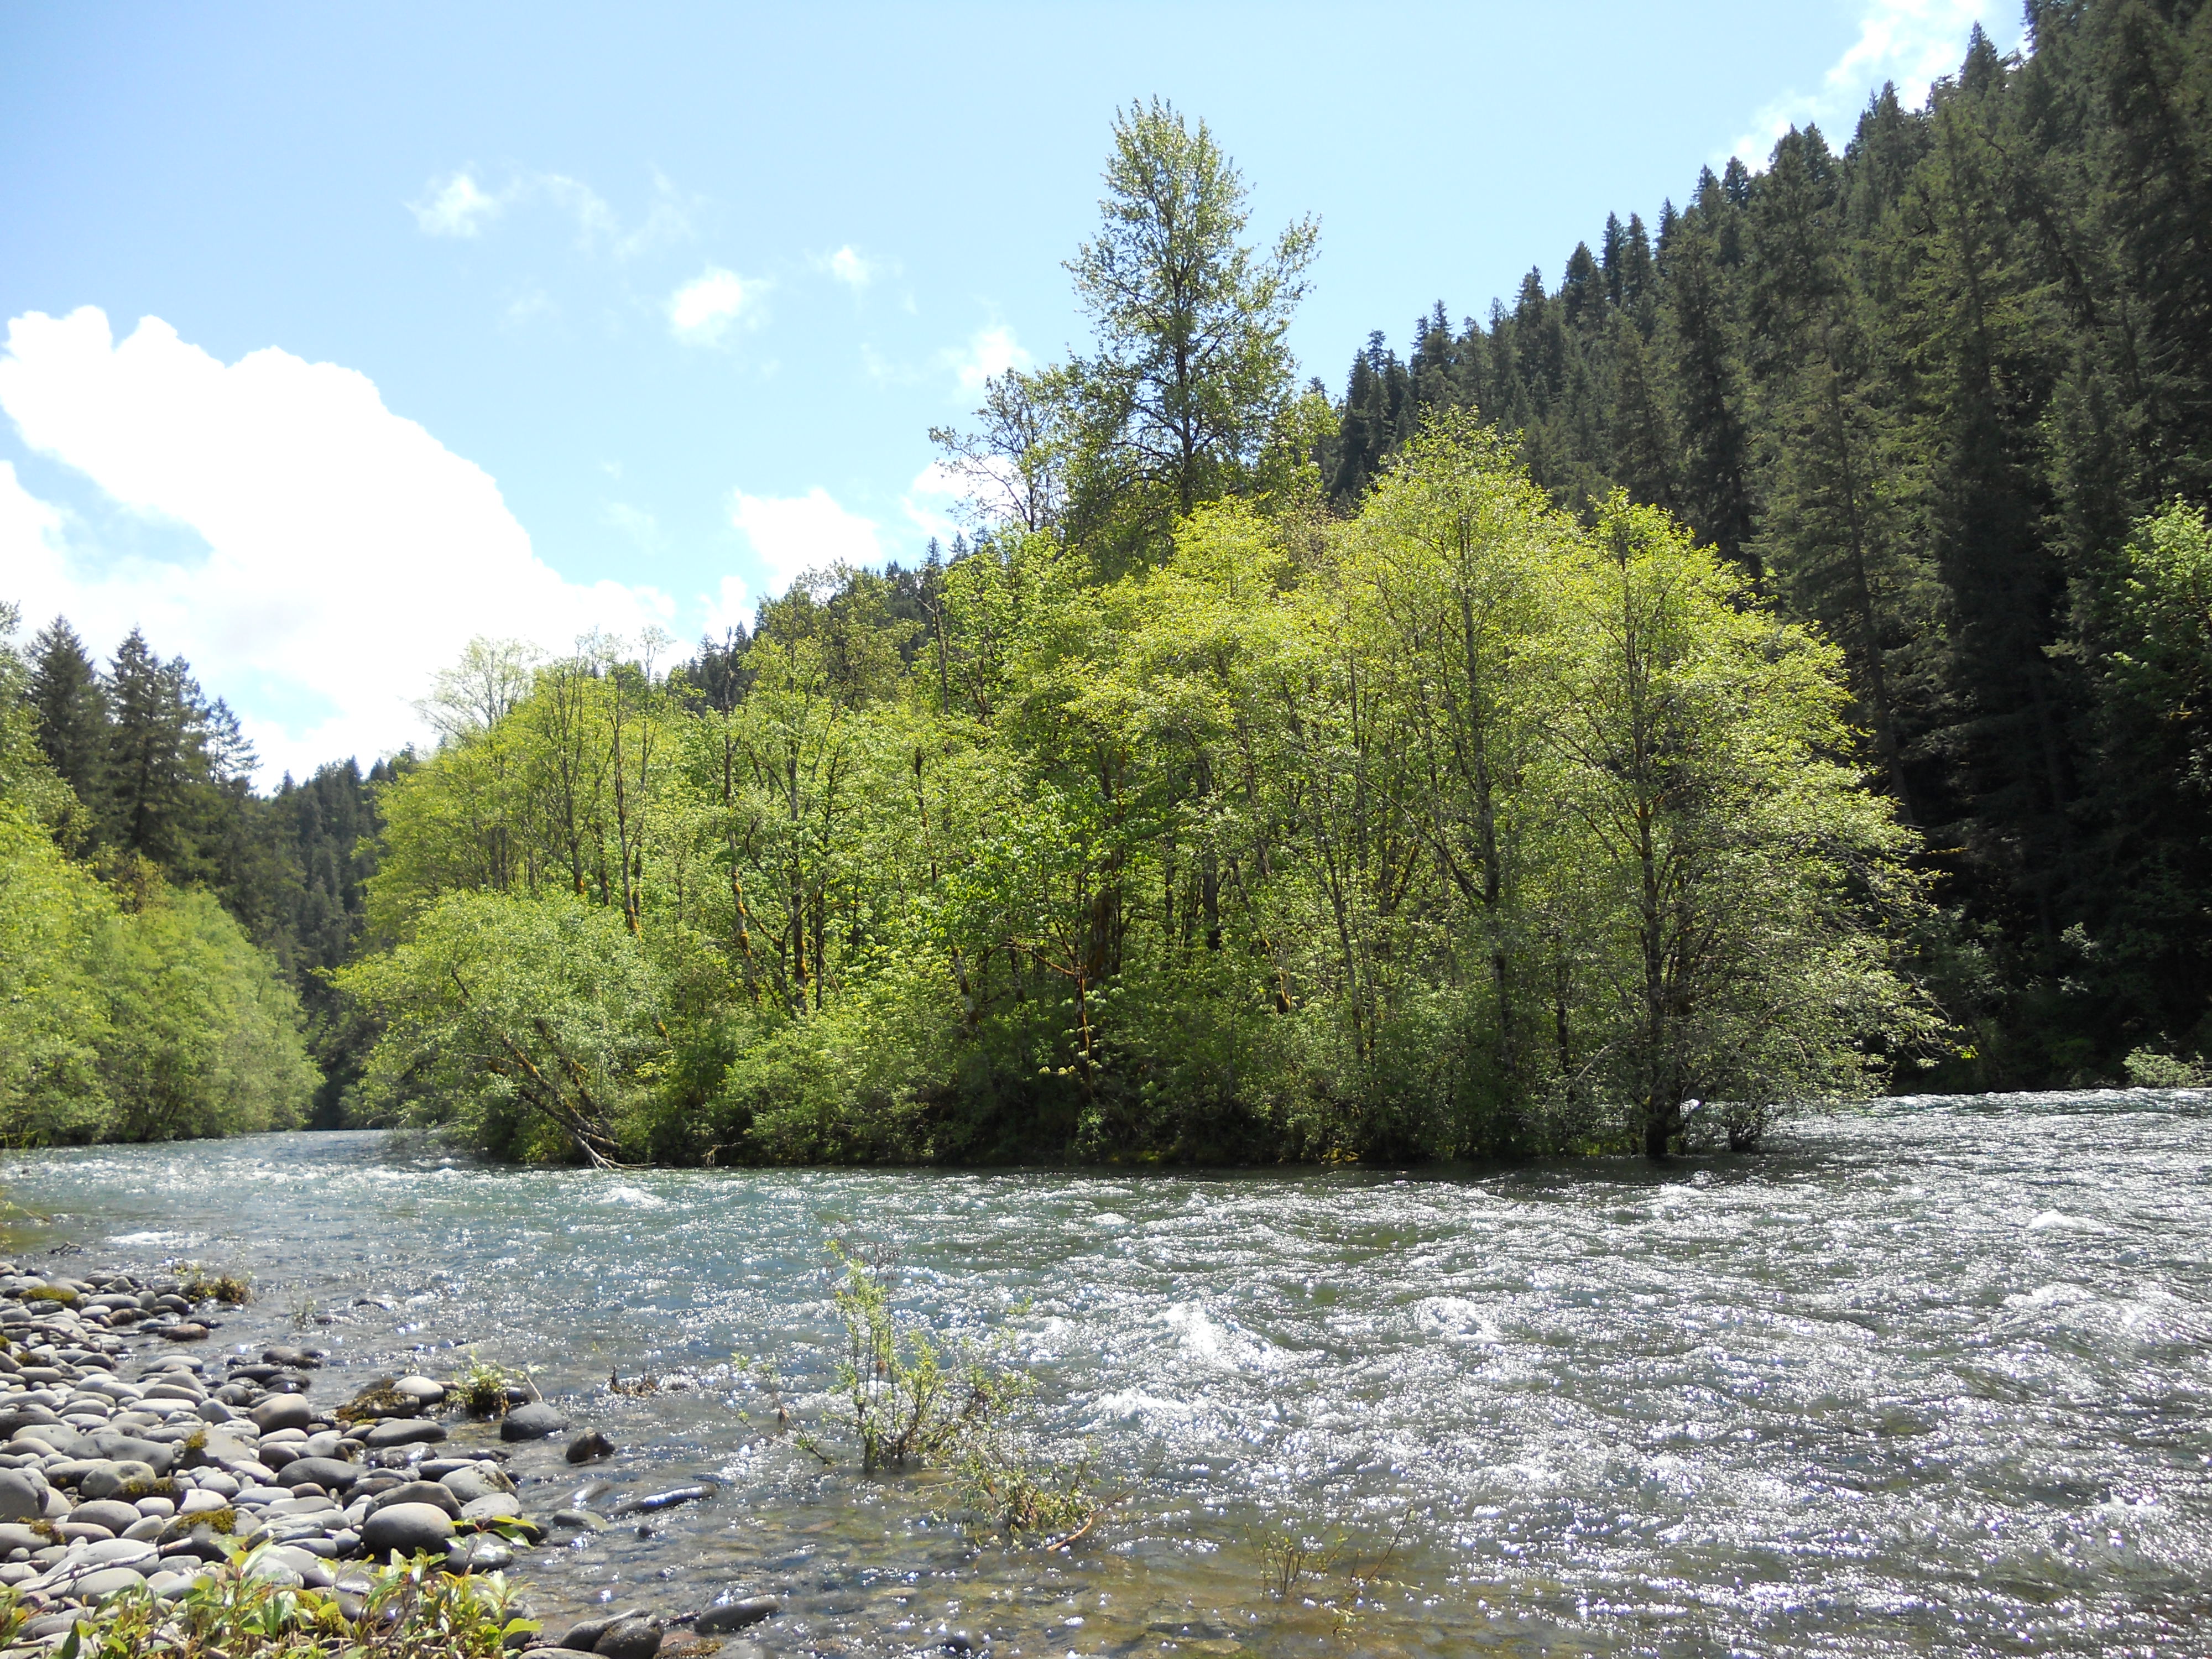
x: 1932, y: 1379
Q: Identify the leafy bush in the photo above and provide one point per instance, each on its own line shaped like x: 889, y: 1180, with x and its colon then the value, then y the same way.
x: 412, y: 1610
x: 904, y: 1406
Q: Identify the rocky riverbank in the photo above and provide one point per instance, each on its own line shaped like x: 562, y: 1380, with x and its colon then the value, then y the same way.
x: 138, y: 1463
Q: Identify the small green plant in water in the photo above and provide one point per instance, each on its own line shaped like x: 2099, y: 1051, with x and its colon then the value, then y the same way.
x: 902, y: 1406
x: 480, y: 1389
x: 906, y: 1407
x: 1288, y: 1559
x: 232, y: 1288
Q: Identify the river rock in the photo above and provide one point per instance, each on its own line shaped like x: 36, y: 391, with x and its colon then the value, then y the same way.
x: 630, y: 1638
x: 404, y: 1431
x: 583, y: 1636
x: 589, y: 1446
x: 406, y: 1529
x: 532, y: 1422
x: 331, y: 1473
x: 282, y: 1411
x: 298, y: 1360
x: 108, y: 1513
x: 271, y: 1568
x: 426, y: 1391
x: 156, y: 1454
x: 114, y: 1478
x: 186, y: 1332
x: 107, y: 1580
x: 468, y: 1483
x: 21, y: 1498
x: 736, y: 1615
x: 417, y: 1492
x: 492, y: 1506
x: 482, y: 1553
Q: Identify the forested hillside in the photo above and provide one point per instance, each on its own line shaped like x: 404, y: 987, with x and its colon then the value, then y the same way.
x: 1931, y: 392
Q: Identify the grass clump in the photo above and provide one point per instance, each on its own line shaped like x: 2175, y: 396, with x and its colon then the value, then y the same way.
x: 479, y: 1388
x: 414, y: 1610
x: 232, y: 1288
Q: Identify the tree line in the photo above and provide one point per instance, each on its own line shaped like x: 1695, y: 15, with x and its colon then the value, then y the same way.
x: 1180, y: 814
x: 1947, y: 395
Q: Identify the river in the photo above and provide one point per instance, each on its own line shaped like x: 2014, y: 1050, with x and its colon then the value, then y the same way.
x: 1934, y: 1377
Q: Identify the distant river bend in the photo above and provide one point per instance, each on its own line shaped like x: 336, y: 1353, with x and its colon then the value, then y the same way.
x: 1932, y: 1378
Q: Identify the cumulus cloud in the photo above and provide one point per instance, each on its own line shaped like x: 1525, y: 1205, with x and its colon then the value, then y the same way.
x: 1911, y: 42
x: 341, y: 555
x: 850, y: 269
x: 792, y: 535
x: 456, y: 206
x: 701, y: 312
x: 989, y: 351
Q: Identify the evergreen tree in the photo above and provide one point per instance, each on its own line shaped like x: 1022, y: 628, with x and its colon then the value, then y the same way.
x: 67, y: 700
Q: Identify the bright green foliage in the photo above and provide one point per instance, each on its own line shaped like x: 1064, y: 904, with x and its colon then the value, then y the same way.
x: 1456, y: 828
x: 1189, y: 395
x: 54, y: 920
x: 129, y: 1009
x: 414, y: 1610
x: 1924, y: 388
x: 530, y: 1022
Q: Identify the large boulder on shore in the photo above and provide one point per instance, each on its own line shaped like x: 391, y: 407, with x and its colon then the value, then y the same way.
x: 532, y: 1422
x: 406, y: 1529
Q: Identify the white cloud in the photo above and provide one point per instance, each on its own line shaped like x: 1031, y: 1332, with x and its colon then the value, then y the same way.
x: 456, y: 206
x: 1911, y: 42
x: 729, y: 606
x: 989, y: 351
x: 593, y: 217
x: 348, y: 554
x: 927, y: 503
x: 701, y: 312
x: 792, y: 535
x: 850, y: 269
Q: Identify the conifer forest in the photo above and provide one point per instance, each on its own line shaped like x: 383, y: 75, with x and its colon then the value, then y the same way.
x: 1770, y: 665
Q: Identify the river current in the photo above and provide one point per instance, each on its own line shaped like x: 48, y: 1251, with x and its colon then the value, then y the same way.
x: 1936, y: 1377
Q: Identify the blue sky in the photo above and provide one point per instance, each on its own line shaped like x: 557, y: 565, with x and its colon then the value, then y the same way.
x: 336, y: 335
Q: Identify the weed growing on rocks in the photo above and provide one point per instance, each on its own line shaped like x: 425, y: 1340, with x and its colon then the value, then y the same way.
x: 414, y: 1610
x: 232, y: 1288
x: 480, y: 1389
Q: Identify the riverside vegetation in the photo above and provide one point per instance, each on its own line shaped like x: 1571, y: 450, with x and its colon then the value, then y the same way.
x: 1768, y: 666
